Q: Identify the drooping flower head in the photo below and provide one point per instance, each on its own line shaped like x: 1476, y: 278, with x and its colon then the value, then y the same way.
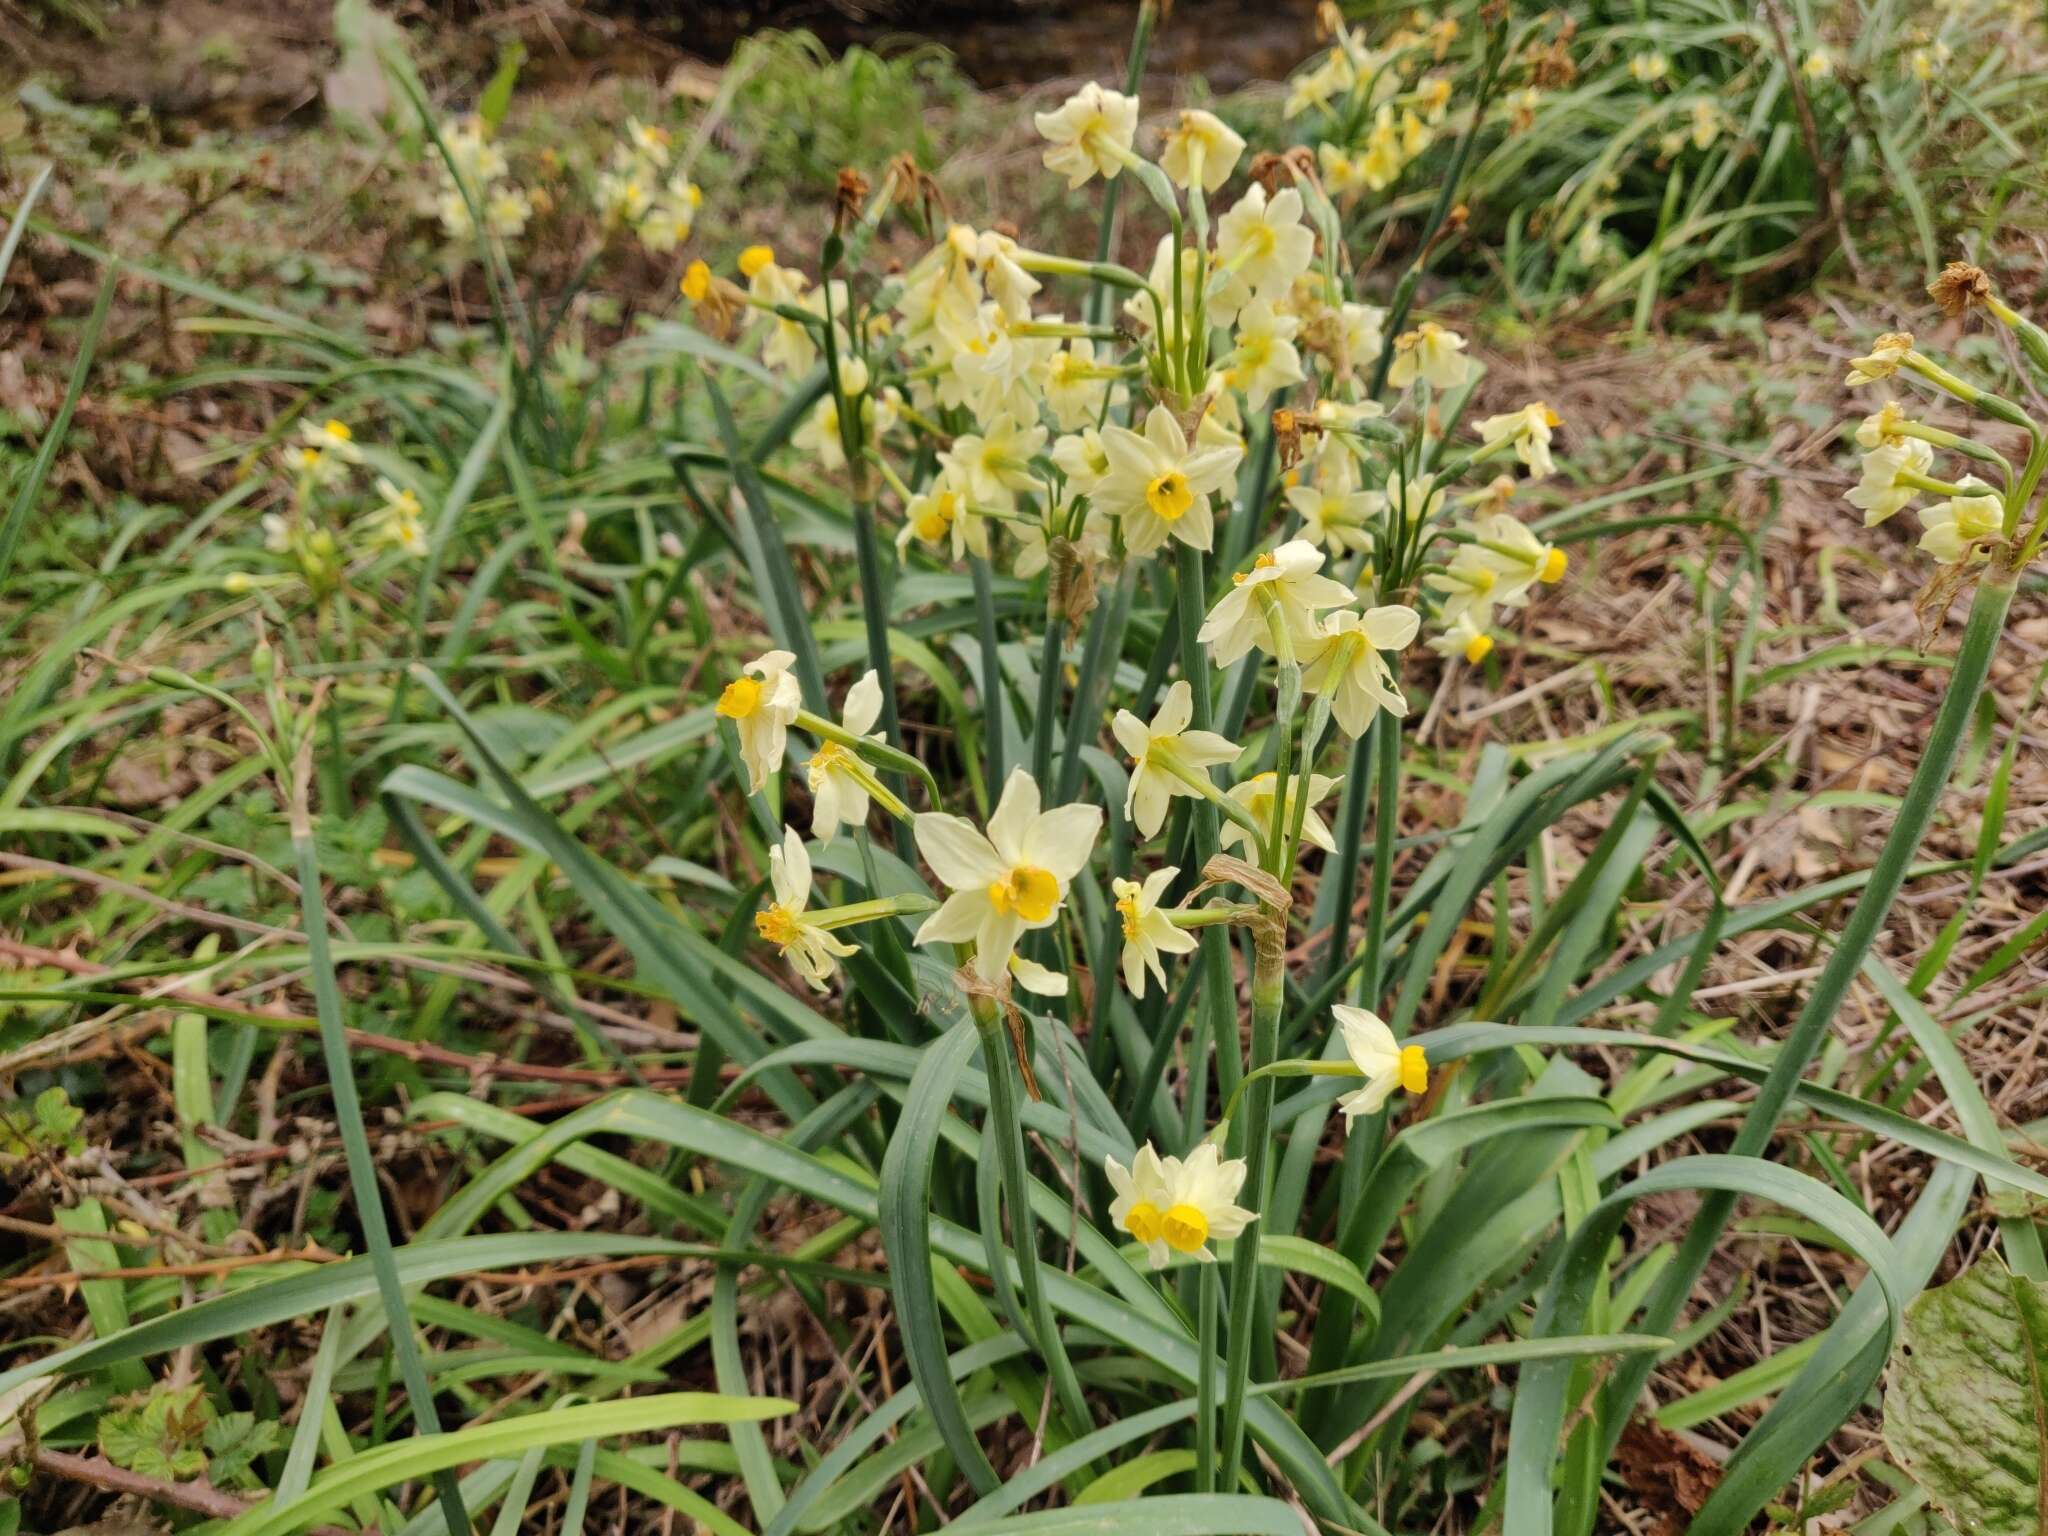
x: 1148, y: 932
x: 1954, y: 526
x: 1201, y: 147
x: 839, y: 781
x: 761, y: 703
x: 812, y: 950
x: 1256, y: 793
x: 1385, y: 1063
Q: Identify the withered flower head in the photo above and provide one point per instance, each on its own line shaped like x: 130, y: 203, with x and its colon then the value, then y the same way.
x: 1329, y: 20
x: 1287, y: 428
x: 852, y: 197
x: 1959, y: 286
x: 1268, y: 170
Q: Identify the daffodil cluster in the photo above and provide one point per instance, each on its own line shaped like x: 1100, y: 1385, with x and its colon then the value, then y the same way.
x: 472, y: 180
x: 1374, y: 110
x: 643, y: 190
x: 1965, y: 518
x: 327, y: 519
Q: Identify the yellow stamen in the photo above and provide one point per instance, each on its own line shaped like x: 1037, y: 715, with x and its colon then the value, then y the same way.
x: 1414, y: 1069
x: 1554, y: 565
x: 1263, y: 563
x: 824, y: 760
x: 1027, y: 890
x: 1142, y: 1221
x: 777, y: 925
x: 1184, y: 1228
x: 1128, y: 907
x: 741, y: 698
x: 1169, y: 496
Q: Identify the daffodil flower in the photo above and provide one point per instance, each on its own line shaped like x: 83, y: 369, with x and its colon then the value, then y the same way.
x: 1345, y: 661
x: 992, y: 465
x: 1884, y: 359
x: 1955, y: 525
x: 941, y: 514
x: 1076, y: 386
x: 1466, y: 585
x: 1882, y: 493
x: 1432, y: 354
x: 333, y: 438
x: 1089, y: 135
x: 1148, y: 932
x: 841, y: 784
x: 1175, y: 1206
x: 1264, y: 358
x: 1159, y: 486
x: 1529, y: 430
x: 1288, y: 581
x: 1263, y: 242
x: 1200, y: 148
x: 1081, y: 457
x: 1383, y: 1061
x: 1648, y: 68
x: 1884, y: 425
x: 1255, y: 795
x: 810, y: 949
x: 1013, y: 879
x: 1168, y: 759
x: 1336, y: 516
x: 1818, y: 65
x: 1464, y: 636
x: 761, y: 703
x: 1518, y: 555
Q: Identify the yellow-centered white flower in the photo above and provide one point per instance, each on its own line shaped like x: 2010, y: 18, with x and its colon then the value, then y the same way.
x: 1264, y: 359
x: 1530, y: 430
x: 1160, y: 486
x: 1884, y: 425
x: 1163, y: 754
x: 1954, y: 525
x: 1175, y: 1206
x: 1386, y: 1063
x: 1879, y: 494
x: 1089, y: 135
x: 1255, y: 794
x: 941, y: 515
x: 1464, y: 636
x: 811, y: 950
x: 1432, y: 354
x: 992, y: 465
x: 761, y: 702
x: 1201, y: 147
x: 1345, y: 661
x: 1288, y: 580
x: 1148, y: 931
x: 1334, y: 514
x: 839, y: 780
x: 1263, y: 242
x: 1012, y: 879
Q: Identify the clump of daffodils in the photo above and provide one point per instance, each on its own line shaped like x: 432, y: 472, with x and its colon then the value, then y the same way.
x: 644, y: 191
x: 1968, y: 516
x: 473, y: 181
x: 335, y: 510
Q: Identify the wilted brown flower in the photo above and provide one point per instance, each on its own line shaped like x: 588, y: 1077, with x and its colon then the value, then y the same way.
x: 1959, y: 286
x: 852, y: 197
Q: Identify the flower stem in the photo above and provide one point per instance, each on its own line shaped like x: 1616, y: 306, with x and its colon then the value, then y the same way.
x: 1209, y: 1304
x: 991, y: 672
x: 1219, y: 998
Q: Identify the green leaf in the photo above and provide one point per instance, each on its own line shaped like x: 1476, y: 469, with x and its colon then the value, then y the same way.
x: 233, y: 1442
x: 1966, y: 1412
x: 160, y: 1436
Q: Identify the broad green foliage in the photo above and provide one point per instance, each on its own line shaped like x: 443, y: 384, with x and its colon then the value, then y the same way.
x: 1966, y: 1408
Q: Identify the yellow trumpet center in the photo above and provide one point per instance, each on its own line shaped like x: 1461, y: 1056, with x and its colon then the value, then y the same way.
x: 1142, y: 1221
x: 1414, y: 1069
x: 1478, y: 648
x: 741, y: 698
x: 1554, y: 565
x: 823, y: 761
x: 1127, y: 906
x: 932, y: 526
x: 754, y: 258
x: 1184, y: 1228
x: 1169, y: 496
x: 1028, y: 891
x: 777, y: 925
x: 696, y: 282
